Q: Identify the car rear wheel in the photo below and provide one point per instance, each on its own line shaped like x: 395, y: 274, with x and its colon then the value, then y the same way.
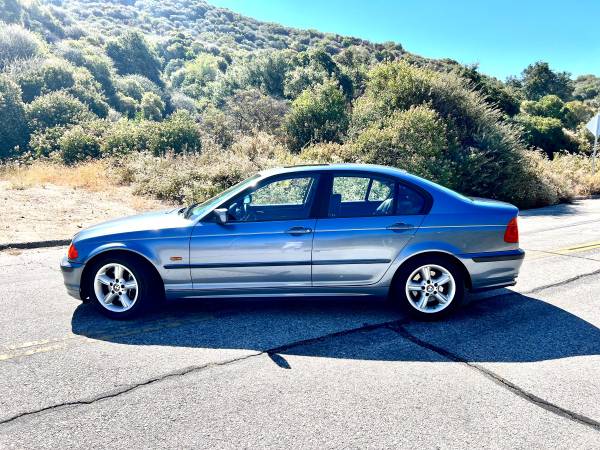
x: 429, y: 288
x: 120, y: 287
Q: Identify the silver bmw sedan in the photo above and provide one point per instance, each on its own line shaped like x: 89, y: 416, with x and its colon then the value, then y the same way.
x: 343, y: 229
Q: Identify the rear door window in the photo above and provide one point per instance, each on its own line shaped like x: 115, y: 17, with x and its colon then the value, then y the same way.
x: 361, y: 196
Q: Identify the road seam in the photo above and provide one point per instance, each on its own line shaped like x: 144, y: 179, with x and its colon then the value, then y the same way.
x: 396, y: 326
x: 499, y: 380
x: 194, y: 369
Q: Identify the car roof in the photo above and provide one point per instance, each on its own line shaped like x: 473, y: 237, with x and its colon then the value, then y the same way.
x: 374, y: 168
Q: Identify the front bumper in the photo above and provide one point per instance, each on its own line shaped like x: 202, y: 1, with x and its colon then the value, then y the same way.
x: 493, y: 270
x: 72, y: 276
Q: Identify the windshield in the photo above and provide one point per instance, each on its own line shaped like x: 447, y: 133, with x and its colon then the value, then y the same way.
x: 201, y: 208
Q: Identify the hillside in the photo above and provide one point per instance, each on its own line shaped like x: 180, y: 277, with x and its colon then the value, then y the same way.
x: 145, y: 81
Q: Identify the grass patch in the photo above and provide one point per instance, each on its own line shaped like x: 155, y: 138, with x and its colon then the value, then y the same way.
x: 90, y: 175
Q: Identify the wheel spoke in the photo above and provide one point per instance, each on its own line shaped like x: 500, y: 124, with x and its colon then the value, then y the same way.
x: 443, y: 279
x: 118, y: 271
x: 125, y: 301
x: 441, y: 297
x: 415, y: 287
x: 105, y: 279
x: 109, y: 297
x: 130, y: 284
x: 426, y: 273
x: 423, y: 302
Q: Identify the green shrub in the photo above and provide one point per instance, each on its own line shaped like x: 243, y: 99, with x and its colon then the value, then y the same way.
x: 318, y: 115
x: 543, y: 132
x: 17, y: 43
x: 178, y: 134
x: 78, y: 144
x: 125, y: 137
x: 486, y: 154
x: 51, y: 75
x: 414, y: 140
x: 131, y: 54
x: 14, y: 131
x: 152, y: 107
x: 44, y: 143
x: 187, y: 178
x: 56, y: 109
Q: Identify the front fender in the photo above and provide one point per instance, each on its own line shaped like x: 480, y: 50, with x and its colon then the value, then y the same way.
x: 158, y: 252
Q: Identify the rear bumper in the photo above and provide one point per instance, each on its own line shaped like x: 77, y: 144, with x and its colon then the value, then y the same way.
x: 494, y: 269
x: 72, y: 277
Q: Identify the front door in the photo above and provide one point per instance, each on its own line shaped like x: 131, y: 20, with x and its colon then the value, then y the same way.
x: 369, y: 221
x: 266, y: 242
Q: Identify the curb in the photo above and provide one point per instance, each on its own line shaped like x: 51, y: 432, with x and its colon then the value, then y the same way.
x: 38, y: 244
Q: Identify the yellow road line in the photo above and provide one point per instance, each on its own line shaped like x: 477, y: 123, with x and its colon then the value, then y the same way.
x: 47, y: 345
x: 541, y: 254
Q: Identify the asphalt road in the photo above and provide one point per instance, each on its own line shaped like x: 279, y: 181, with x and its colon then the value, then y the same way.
x: 515, y: 368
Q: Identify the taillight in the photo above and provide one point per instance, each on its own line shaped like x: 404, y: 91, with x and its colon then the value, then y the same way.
x: 72, y: 253
x: 511, y: 234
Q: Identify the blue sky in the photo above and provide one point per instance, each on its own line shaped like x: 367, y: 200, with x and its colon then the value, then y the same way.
x: 502, y: 36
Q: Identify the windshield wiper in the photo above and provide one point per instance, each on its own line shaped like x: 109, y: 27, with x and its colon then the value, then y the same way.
x: 186, y: 211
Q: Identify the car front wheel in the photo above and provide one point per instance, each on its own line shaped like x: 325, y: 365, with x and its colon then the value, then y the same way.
x: 429, y: 288
x: 119, y: 287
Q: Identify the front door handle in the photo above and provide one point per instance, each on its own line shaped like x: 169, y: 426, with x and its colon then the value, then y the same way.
x: 400, y: 226
x: 294, y: 231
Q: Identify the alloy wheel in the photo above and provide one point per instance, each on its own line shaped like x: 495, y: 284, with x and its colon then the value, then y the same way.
x: 430, y: 288
x: 116, y: 287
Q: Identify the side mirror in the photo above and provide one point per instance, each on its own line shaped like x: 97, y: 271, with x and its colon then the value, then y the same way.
x: 221, y: 215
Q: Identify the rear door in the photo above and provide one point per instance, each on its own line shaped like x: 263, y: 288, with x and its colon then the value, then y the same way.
x: 369, y: 219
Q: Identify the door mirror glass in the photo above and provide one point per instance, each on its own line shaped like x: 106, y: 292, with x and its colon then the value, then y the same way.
x: 221, y: 215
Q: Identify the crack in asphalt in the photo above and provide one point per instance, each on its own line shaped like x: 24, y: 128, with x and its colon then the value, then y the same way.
x: 397, y: 326
x: 501, y: 381
x: 195, y: 369
x: 544, y: 287
x: 562, y: 283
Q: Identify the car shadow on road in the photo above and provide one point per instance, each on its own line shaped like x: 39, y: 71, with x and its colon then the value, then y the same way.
x: 505, y: 327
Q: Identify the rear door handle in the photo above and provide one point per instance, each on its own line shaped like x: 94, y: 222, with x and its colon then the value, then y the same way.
x: 294, y: 231
x: 400, y: 226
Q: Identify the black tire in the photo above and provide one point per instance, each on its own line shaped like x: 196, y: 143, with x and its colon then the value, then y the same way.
x: 148, y: 292
x: 400, y: 298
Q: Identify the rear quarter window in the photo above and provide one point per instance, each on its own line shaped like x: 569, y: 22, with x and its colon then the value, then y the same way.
x: 410, y: 202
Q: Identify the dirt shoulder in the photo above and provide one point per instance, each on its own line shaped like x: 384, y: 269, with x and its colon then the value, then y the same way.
x: 50, y: 212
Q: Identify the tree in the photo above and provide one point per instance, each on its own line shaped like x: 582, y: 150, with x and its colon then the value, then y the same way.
x: 538, y: 80
x: 319, y: 114
x: 496, y: 93
x: 13, y: 131
x: 132, y: 54
x: 267, y: 72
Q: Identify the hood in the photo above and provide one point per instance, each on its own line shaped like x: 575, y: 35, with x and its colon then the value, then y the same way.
x: 157, y: 222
